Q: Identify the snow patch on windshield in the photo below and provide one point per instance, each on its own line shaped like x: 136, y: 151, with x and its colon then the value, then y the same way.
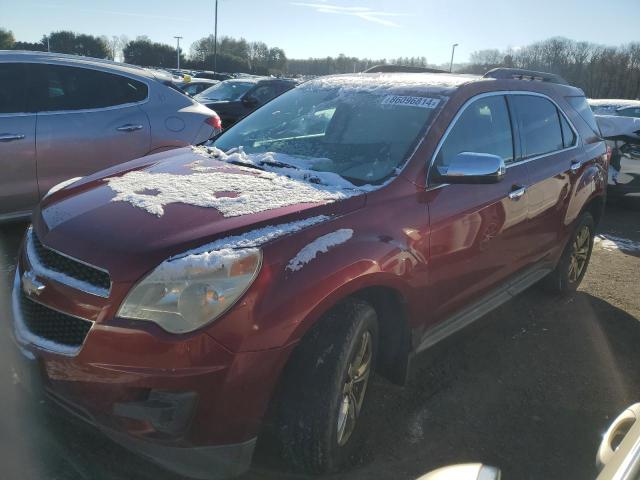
x: 255, y: 238
x: 319, y: 245
x: 295, y: 168
x: 232, y: 193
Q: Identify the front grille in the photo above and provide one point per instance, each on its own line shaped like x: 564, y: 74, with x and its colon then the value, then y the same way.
x: 53, y: 325
x: 72, y: 268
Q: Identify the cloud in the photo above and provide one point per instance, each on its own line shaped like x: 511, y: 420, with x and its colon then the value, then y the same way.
x: 364, y: 13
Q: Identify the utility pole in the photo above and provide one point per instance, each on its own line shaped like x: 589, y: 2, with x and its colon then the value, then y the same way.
x: 453, y: 50
x: 178, y: 50
x: 215, y: 40
x: 48, y: 47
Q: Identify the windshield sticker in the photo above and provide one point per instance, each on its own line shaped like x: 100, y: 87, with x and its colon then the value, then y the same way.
x: 422, y: 102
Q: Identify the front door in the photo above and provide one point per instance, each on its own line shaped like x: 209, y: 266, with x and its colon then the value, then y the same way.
x: 478, y: 231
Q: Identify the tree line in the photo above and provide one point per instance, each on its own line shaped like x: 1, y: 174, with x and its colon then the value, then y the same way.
x: 601, y: 71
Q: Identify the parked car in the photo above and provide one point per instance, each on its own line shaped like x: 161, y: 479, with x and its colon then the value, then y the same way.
x: 64, y: 116
x: 213, y: 75
x: 196, y: 85
x: 612, y: 106
x: 235, y: 99
x: 344, y: 227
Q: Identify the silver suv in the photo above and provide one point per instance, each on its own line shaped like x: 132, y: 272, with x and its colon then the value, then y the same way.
x: 64, y: 116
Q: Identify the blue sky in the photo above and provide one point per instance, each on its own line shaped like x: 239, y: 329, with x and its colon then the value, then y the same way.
x: 315, y: 28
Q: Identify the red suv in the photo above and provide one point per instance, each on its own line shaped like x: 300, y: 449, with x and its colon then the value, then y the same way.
x: 342, y: 228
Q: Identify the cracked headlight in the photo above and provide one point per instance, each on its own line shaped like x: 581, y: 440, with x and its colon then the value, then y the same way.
x: 186, y: 293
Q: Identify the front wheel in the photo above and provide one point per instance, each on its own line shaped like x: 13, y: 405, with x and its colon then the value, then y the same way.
x: 574, y: 261
x: 324, y: 389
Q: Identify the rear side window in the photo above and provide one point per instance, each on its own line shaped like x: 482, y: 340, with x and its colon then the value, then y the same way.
x: 72, y: 88
x: 568, y: 135
x: 629, y: 112
x: 584, y: 110
x: 12, y: 88
x: 539, y: 125
x: 483, y: 127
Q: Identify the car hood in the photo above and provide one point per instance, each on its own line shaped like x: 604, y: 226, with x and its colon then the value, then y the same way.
x: 130, y: 218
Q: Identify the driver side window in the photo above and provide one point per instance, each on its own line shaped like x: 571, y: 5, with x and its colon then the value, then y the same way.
x: 483, y: 127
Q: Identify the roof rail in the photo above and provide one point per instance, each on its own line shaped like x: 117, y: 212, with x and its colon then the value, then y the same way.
x: 522, y: 74
x: 402, y: 69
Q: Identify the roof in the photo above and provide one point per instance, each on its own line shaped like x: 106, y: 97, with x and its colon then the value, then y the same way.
x: 45, y: 57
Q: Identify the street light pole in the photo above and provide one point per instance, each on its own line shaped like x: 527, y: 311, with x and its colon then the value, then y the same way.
x: 453, y: 50
x: 215, y: 40
x: 178, y: 50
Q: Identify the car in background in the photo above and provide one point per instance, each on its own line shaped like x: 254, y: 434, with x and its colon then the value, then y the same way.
x: 342, y: 228
x: 610, y: 106
x: 213, y: 75
x: 65, y: 116
x: 194, y: 86
x: 234, y: 99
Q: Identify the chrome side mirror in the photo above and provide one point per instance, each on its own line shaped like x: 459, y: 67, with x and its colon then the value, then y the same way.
x: 472, y: 167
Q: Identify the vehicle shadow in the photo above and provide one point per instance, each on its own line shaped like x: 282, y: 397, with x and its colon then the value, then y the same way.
x: 530, y: 388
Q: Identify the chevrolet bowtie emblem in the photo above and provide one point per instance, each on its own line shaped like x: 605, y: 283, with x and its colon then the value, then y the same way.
x: 30, y: 284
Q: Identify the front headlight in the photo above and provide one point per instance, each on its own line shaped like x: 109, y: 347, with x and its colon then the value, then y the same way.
x: 186, y: 293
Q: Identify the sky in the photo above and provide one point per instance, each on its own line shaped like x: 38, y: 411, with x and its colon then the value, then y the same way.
x: 317, y: 28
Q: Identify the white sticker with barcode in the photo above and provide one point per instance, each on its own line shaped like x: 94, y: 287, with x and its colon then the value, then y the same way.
x: 408, y: 101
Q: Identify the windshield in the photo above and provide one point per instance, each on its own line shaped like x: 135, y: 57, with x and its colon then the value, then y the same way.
x: 227, y: 91
x: 363, y: 136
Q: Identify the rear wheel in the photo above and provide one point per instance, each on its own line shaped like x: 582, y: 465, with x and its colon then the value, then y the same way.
x: 324, y: 389
x: 575, y: 258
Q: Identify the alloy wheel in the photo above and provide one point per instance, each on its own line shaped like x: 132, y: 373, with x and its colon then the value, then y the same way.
x: 354, y: 388
x: 578, y: 260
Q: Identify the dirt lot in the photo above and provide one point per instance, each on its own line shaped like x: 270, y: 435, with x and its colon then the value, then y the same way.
x: 529, y: 388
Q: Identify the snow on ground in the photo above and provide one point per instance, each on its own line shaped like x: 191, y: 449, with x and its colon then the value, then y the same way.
x: 612, y: 243
x: 319, y: 245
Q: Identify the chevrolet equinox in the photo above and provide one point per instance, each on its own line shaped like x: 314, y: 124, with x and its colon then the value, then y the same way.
x: 181, y: 301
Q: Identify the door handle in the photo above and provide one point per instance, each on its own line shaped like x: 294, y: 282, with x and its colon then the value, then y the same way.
x: 10, y: 137
x: 517, y: 192
x: 575, y: 165
x: 129, y: 127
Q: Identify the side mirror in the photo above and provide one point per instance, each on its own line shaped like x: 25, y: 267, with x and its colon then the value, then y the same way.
x: 471, y: 167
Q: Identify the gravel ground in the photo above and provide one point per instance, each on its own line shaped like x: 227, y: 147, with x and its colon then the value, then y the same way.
x: 529, y: 388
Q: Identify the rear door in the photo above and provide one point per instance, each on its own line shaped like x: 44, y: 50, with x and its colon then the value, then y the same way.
x: 478, y: 231
x: 18, y: 181
x: 549, y: 149
x: 88, y: 120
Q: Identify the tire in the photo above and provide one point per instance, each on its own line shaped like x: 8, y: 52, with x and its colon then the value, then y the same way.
x: 314, y: 383
x: 565, y: 279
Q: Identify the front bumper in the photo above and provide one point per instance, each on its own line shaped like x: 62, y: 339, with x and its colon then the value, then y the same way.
x: 187, y: 403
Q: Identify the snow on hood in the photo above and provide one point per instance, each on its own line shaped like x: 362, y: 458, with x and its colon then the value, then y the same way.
x: 319, y: 245
x: 616, y: 126
x: 239, y: 191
